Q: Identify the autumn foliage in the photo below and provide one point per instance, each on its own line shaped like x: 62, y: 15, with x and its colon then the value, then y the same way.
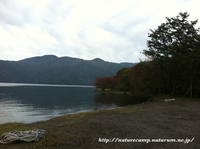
x: 172, y: 66
x: 106, y: 82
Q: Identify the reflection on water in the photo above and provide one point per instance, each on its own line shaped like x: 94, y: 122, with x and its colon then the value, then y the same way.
x: 117, y: 99
x: 29, y: 104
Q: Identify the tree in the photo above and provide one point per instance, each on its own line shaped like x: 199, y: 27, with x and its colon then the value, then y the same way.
x: 114, y: 82
x: 174, y: 38
x: 145, y: 79
x: 124, y: 79
x: 106, y: 82
x: 174, y: 47
x: 124, y: 82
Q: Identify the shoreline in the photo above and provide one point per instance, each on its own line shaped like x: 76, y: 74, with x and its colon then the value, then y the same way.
x: 109, y: 91
x: 176, y: 120
x: 95, y: 110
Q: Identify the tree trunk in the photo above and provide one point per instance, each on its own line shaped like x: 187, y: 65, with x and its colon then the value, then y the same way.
x: 173, y: 90
x: 189, y: 90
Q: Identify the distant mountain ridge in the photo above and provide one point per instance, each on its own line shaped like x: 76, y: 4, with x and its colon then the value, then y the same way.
x: 49, y: 69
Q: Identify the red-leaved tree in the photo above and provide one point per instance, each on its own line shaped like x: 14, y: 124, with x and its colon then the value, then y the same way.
x: 106, y: 82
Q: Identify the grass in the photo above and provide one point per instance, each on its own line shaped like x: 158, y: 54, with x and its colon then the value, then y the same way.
x: 70, y: 130
x: 60, y: 131
x: 161, y: 97
x: 187, y: 99
x: 129, y: 109
x: 57, y: 132
x: 74, y: 116
x: 10, y: 127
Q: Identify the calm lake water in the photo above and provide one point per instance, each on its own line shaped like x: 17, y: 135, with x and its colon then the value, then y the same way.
x: 27, y: 103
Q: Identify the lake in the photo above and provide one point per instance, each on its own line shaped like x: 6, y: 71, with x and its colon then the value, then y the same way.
x: 28, y: 103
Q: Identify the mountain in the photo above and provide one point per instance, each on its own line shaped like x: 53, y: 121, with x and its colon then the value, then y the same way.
x: 50, y: 69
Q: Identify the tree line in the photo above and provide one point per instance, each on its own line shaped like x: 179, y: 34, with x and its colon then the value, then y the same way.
x: 172, y: 64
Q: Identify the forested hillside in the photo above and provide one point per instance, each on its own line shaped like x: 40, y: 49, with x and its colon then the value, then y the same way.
x: 50, y: 69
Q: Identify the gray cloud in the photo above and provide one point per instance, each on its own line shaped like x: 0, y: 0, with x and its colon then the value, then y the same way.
x: 13, y: 13
x: 113, y: 30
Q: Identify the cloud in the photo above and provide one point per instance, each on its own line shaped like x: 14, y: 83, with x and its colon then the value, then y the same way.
x: 113, y: 30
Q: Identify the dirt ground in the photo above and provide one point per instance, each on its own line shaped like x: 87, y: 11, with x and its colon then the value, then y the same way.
x: 119, y: 127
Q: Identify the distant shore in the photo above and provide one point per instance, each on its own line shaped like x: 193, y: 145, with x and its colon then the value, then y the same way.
x: 179, y: 119
x: 114, y: 91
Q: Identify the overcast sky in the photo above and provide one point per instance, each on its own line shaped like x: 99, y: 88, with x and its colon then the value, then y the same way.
x: 113, y: 30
